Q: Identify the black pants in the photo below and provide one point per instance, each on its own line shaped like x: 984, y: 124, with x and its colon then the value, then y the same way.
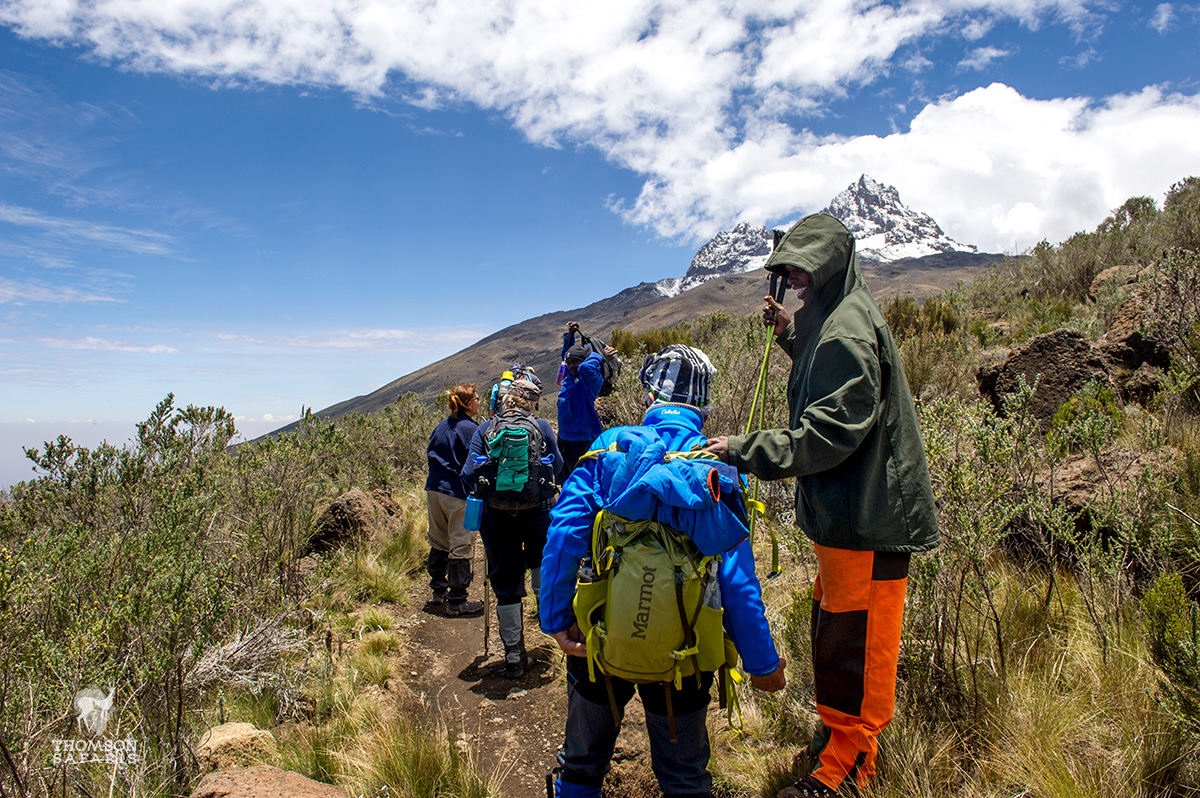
x: 681, y: 767
x: 514, y: 542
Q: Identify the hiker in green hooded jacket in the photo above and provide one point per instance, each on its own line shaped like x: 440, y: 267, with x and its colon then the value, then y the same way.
x: 862, y: 490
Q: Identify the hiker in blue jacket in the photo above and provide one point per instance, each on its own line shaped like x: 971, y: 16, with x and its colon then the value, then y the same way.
x: 578, y: 421
x: 513, y: 539
x: 451, y: 546
x: 677, y: 382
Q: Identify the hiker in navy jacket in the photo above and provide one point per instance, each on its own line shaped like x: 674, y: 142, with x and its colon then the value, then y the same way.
x: 513, y: 539
x: 450, y: 545
x: 677, y: 381
x: 578, y: 421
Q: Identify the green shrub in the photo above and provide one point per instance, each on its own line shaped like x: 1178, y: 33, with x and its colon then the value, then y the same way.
x: 905, y: 318
x: 117, y: 576
x: 628, y: 344
x: 1174, y: 317
x: 1180, y: 222
x: 1088, y: 420
x: 1173, y: 630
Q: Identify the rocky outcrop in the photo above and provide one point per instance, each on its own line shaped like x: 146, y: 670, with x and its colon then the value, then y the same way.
x: 262, y: 781
x: 235, y: 745
x: 354, y: 516
x: 1061, y: 362
x: 1135, y: 359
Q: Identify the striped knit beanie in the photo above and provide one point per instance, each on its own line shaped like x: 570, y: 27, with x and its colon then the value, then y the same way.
x: 678, y: 374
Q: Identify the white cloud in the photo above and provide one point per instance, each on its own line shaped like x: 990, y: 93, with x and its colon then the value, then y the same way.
x: 15, y: 292
x: 106, y: 345
x: 139, y: 242
x: 373, y: 340
x: 704, y: 98
x: 983, y: 57
x: 978, y: 163
x: 1164, y: 15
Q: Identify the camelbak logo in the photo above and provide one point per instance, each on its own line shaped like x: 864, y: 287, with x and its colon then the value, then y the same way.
x: 642, y: 619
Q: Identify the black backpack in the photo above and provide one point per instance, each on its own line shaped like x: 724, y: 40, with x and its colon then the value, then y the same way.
x: 513, y: 476
x: 610, y: 368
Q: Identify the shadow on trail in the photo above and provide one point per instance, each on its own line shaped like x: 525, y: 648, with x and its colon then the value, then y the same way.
x: 491, y: 683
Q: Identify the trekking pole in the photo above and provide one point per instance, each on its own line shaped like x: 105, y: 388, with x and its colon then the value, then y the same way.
x: 487, y: 604
x: 759, y: 404
x: 778, y: 288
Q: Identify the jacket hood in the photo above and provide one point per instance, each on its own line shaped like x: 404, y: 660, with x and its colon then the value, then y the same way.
x: 699, y: 497
x: 822, y: 246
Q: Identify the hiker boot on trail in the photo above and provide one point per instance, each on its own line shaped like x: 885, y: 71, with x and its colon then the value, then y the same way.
x: 437, y: 565
x: 459, y: 579
x: 469, y: 609
x: 512, y: 632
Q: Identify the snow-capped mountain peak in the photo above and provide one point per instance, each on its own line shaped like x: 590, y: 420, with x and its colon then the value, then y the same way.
x: 885, y: 228
x: 742, y: 249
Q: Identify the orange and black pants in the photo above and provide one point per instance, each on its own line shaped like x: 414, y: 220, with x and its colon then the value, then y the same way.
x: 858, y: 609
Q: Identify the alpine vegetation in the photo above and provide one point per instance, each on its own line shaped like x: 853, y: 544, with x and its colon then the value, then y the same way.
x: 1050, y: 643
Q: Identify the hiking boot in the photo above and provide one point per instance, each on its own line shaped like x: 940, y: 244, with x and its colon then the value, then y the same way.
x: 515, y: 662
x: 808, y: 760
x: 810, y: 787
x: 438, y: 599
x: 457, y: 609
x: 512, y: 632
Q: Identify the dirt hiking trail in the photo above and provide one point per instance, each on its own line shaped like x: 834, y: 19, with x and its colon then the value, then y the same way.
x: 512, y: 728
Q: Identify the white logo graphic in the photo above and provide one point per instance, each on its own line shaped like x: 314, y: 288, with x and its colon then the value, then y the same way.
x: 93, y: 707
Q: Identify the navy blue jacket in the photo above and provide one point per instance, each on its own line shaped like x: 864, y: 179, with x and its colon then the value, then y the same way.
x: 448, y: 447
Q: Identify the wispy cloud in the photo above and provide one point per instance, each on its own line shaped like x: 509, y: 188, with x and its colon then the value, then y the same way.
x: 105, y: 345
x: 14, y: 292
x: 1164, y: 15
x: 139, y: 242
x: 365, y: 339
x: 983, y: 57
x: 707, y: 100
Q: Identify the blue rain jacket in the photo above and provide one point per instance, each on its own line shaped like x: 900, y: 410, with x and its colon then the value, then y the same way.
x: 577, y: 416
x: 641, y: 485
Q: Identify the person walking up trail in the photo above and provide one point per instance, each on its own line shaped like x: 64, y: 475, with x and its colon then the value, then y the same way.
x: 578, y: 421
x: 450, y: 545
x: 630, y: 481
x: 863, y: 494
x: 513, y: 466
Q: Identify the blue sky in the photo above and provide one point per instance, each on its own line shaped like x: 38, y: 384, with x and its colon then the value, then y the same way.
x: 269, y: 204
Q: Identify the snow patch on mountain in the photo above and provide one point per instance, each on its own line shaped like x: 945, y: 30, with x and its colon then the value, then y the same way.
x: 885, y: 228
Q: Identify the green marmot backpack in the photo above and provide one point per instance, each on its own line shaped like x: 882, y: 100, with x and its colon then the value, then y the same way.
x: 513, y: 477
x: 649, y: 606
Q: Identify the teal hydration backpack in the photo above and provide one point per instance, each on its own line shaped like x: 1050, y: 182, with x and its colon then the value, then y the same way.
x: 514, y: 475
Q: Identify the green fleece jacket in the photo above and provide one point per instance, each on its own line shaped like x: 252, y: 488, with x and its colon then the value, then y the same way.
x: 854, y: 446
